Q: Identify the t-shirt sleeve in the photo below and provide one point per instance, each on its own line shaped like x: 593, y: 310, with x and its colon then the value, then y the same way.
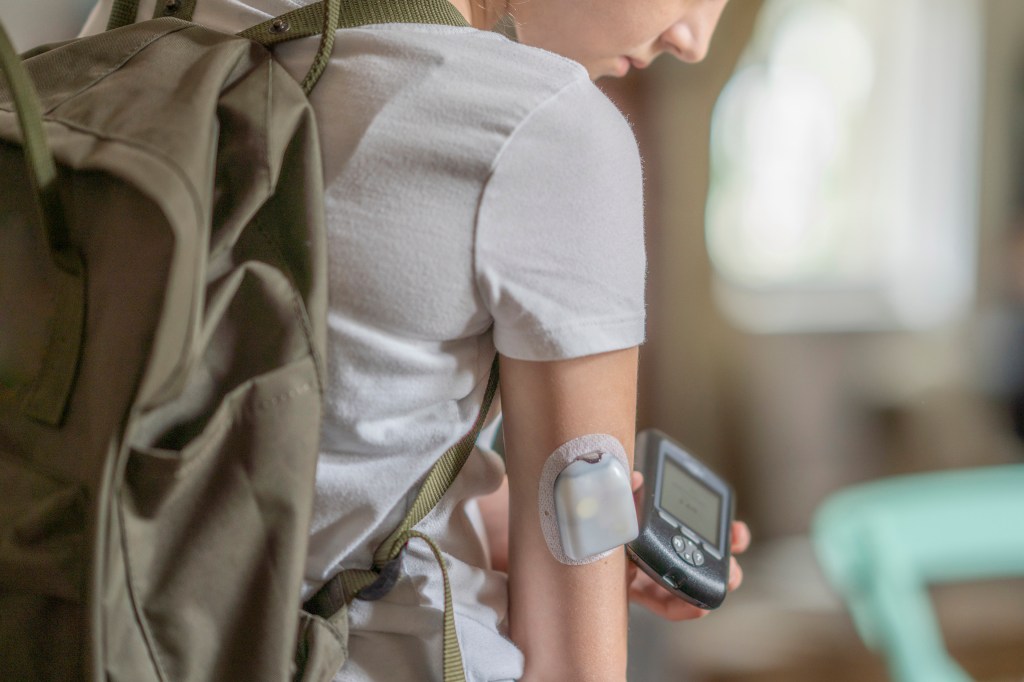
x: 560, y: 259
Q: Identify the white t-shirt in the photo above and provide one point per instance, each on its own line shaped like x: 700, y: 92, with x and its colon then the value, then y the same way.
x: 480, y: 194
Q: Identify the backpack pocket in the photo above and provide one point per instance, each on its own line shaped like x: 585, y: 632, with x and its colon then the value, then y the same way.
x: 42, y: 523
x: 217, y: 492
x: 215, y: 533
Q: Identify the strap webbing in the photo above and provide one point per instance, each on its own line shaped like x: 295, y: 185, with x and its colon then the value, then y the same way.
x: 332, y: 16
x: 309, y: 20
x: 47, y: 396
x: 42, y: 171
x: 346, y: 585
x: 446, y: 468
x: 316, y: 19
x: 122, y: 13
x: 322, y: 18
x: 354, y: 580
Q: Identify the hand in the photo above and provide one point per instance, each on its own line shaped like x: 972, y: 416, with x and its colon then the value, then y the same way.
x: 645, y: 591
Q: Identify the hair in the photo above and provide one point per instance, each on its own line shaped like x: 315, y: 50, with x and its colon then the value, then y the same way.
x: 487, y: 13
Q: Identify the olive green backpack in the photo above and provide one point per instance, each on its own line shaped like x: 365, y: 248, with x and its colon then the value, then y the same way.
x: 162, y: 307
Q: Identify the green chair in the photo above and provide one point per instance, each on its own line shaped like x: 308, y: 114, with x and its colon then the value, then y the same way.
x: 882, y: 543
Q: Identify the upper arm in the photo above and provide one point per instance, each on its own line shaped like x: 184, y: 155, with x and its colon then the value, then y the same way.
x: 559, y: 249
x: 560, y: 266
x: 569, y: 620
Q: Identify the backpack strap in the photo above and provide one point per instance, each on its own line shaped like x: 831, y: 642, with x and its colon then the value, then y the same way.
x: 45, y: 398
x: 42, y: 169
x: 321, y: 18
x: 324, y: 18
x: 327, y: 16
x: 122, y: 13
x: 374, y: 583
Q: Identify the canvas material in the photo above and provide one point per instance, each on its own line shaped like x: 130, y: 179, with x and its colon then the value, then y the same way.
x: 158, y: 529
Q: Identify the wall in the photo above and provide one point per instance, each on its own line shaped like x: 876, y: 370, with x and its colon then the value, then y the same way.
x: 790, y: 418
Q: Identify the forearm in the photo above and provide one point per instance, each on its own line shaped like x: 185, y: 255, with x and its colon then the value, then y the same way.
x: 570, y: 621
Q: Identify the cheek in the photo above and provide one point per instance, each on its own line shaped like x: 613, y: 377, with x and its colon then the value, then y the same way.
x: 621, y: 31
x: 589, y: 31
x: 606, y: 42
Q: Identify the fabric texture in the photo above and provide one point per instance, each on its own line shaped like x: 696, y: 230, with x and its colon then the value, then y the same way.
x: 480, y: 195
x: 153, y: 526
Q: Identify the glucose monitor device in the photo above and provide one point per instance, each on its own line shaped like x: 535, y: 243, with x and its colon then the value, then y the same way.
x: 685, y: 518
x: 586, y: 503
x: 594, y: 506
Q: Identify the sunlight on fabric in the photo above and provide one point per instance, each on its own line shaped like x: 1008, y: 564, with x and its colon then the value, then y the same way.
x: 843, y: 189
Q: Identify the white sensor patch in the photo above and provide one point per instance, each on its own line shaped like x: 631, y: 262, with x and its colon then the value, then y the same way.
x: 586, y: 502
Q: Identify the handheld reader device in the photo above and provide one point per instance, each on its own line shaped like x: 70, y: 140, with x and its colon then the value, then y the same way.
x: 685, y: 516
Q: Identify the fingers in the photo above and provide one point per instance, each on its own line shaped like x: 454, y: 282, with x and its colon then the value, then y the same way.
x: 735, y: 574
x: 659, y: 601
x: 740, y: 537
x: 647, y: 592
x: 672, y: 609
x: 740, y: 543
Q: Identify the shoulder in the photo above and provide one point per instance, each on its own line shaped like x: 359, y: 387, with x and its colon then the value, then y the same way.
x: 487, y: 80
x: 581, y: 129
x: 549, y: 94
x: 559, y: 250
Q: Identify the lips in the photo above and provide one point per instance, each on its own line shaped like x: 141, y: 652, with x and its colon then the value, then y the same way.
x: 624, y: 63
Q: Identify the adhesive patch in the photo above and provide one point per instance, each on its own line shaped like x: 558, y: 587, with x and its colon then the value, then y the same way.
x: 592, y: 448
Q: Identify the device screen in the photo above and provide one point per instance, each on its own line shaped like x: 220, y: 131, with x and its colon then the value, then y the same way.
x: 690, y: 501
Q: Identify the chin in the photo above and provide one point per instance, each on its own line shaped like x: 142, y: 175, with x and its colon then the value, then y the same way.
x: 612, y: 68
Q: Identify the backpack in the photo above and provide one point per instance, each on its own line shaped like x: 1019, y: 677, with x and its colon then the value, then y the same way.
x: 162, y: 331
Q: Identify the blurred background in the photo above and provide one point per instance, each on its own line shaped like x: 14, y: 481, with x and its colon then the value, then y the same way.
x: 835, y: 212
x: 835, y: 215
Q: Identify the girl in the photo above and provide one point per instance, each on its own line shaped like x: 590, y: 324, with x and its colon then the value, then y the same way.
x: 483, y: 196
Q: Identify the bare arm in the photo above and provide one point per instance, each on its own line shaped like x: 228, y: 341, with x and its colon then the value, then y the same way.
x: 570, y: 621
x: 494, y: 509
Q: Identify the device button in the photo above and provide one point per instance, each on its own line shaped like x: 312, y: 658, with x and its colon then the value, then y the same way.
x: 698, y: 558
x: 670, y: 581
x: 679, y: 544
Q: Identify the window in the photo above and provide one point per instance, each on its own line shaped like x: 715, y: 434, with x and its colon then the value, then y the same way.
x: 843, y: 179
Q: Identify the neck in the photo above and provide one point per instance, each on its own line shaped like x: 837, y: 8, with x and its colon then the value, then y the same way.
x: 482, y: 14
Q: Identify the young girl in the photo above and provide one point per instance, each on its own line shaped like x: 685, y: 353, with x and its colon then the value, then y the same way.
x: 483, y: 196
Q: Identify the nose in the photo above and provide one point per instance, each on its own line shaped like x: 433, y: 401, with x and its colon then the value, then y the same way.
x: 686, y: 42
